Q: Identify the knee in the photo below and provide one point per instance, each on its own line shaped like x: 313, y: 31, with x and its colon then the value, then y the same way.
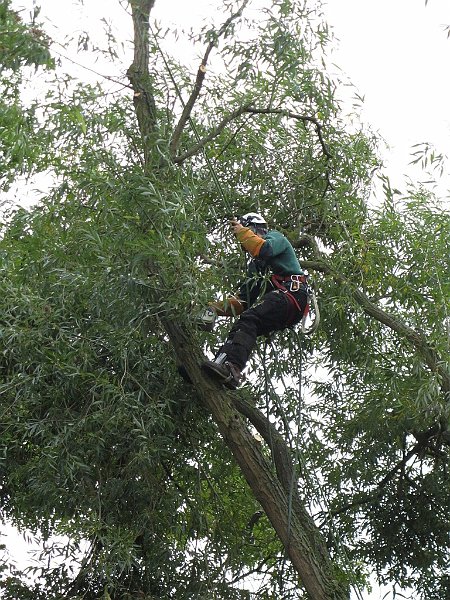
x: 245, y: 339
x: 249, y: 320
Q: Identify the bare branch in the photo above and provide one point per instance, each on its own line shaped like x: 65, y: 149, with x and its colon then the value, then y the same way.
x: 74, y: 62
x: 297, y: 117
x: 187, y: 110
x: 214, y: 133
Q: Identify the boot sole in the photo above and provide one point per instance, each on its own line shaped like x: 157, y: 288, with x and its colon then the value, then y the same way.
x: 217, y: 374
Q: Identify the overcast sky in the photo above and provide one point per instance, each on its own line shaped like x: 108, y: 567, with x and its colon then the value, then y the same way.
x: 396, y: 52
x: 398, y: 55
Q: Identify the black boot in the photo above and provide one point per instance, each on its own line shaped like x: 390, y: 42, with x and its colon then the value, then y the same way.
x: 227, y: 372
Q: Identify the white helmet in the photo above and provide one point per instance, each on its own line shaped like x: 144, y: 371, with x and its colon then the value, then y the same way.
x: 253, y: 220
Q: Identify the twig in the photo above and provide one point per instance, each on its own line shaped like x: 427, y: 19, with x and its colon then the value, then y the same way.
x: 107, y: 77
x: 185, y: 115
x: 292, y: 115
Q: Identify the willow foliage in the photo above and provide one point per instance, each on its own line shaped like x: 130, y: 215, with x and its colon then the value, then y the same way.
x: 102, y: 441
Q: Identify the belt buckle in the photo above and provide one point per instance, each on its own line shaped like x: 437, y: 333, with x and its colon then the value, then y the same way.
x: 295, y: 283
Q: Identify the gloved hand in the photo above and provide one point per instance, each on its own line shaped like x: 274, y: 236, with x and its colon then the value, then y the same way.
x: 249, y: 240
x: 236, y: 226
x: 231, y: 307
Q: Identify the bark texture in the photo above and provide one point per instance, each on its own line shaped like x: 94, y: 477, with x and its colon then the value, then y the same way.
x: 297, y: 531
x: 138, y: 74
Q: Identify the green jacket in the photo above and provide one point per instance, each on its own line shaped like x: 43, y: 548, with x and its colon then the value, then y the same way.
x: 276, y: 256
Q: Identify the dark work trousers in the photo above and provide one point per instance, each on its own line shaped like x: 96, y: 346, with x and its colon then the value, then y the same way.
x: 274, y: 312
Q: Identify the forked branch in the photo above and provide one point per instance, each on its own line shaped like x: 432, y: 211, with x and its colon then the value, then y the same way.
x: 250, y: 109
x: 187, y: 109
x: 211, y: 135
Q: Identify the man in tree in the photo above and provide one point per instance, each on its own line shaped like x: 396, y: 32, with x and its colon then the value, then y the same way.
x: 275, y: 278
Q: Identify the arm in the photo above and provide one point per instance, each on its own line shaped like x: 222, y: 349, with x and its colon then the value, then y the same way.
x: 249, y: 240
x: 230, y: 307
x: 272, y: 244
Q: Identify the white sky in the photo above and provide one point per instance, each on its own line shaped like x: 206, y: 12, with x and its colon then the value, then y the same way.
x: 398, y: 55
x: 396, y: 52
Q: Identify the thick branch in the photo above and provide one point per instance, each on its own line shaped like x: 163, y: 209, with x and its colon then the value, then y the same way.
x: 416, y: 339
x: 280, y: 452
x: 275, y: 441
x: 138, y: 73
x: 187, y: 110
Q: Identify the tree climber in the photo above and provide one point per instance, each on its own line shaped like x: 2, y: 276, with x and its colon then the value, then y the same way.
x: 273, y: 297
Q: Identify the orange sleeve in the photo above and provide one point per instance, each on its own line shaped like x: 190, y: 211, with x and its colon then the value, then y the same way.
x: 251, y: 242
x: 231, y: 307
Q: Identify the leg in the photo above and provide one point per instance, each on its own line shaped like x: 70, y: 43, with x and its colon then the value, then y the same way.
x: 270, y: 315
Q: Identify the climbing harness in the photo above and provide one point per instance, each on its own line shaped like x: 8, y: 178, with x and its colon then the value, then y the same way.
x: 290, y: 284
x: 205, y: 320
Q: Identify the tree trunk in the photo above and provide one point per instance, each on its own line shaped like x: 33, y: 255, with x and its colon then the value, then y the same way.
x: 297, y: 531
x: 138, y: 74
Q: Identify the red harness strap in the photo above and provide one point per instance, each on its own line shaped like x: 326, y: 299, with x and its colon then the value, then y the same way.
x: 295, y: 282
